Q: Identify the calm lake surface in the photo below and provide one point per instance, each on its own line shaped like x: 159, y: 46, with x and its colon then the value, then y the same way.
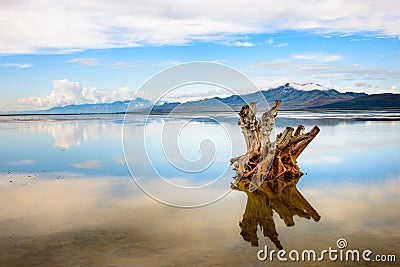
x: 68, y: 198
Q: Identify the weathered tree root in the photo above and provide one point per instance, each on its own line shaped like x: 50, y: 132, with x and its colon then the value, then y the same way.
x: 266, y: 163
x: 268, y: 173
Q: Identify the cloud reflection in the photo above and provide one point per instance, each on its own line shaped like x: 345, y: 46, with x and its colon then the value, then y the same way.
x: 107, y: 219
x: 87, y: 164
x: 74, y: 133
x: 21, y: 162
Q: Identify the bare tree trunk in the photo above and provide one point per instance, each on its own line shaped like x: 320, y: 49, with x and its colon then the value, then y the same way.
x: 272, y: 162
x: 268, y: 173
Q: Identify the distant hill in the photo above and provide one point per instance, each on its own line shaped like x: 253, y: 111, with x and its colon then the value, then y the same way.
x: 298, y: 99
x: 115, y: 107
x: 293, y: 96
x: 292, y: 99
x: 375, y: 101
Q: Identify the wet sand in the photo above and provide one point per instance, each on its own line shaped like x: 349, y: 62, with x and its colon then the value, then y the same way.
x: 87, y: 222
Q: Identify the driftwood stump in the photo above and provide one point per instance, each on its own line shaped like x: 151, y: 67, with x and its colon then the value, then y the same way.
x: 268, y: 163
x: 268, y: 173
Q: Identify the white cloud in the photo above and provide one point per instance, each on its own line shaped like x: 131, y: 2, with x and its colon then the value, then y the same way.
x: 359, y: 39
x: 95, y: 61
x: 71, y: 25
x: 371, y: 72
x: 270, y: 41
x: 17, y: 65
x: 193, y: 94
x: 281, y: 45
x: 221, y: 61
x: 267, y: 84
x: 66, y: 93
x: 341, y: 77
x: 360, y: 84
x: 369, y: 89
x: 240, y: 43
x: 85, y: 61
x: 331, y: 58
x: 125, y: 65
x: 318, y: 57
x: 276, y: 64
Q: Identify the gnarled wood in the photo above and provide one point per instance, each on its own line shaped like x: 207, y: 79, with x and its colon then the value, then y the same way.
x: 268, y: 173
x: 267, y: 160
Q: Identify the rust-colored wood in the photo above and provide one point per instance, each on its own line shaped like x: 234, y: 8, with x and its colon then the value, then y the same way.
x: 268, y: 163
x: 268, y: 174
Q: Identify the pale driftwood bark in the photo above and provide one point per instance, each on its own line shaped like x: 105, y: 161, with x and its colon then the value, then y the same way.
x: 248, y: 122
x: 268, y: 173
x: 266, y: 160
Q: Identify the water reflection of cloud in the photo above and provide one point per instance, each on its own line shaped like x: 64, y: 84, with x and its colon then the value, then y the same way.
x: 74, y: 133
x: 45, y: 204
x: 348, y: 206
x: 354, y: 207
x: 110, y: 219
x: 322, y: 160
x: 87, y: 164
x: 355, y: 150
x: 21, y: 162
x: 120, y: 160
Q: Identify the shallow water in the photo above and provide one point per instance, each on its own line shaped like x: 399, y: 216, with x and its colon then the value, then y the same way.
x: 67, y: 197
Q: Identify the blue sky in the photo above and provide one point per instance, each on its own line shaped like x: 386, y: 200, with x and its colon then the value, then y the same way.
x: 57, y: 53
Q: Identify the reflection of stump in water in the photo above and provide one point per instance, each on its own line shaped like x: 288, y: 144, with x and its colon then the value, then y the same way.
x: 268, y: 173
x: 258, y: 212
x: 259, y: 208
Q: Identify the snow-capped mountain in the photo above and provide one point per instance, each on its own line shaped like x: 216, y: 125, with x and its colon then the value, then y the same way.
x: 307, y: 86
x: 294, y: 96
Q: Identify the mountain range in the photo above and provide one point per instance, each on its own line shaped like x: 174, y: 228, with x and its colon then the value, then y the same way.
x: 292, y: 96
x: 114, y: 107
